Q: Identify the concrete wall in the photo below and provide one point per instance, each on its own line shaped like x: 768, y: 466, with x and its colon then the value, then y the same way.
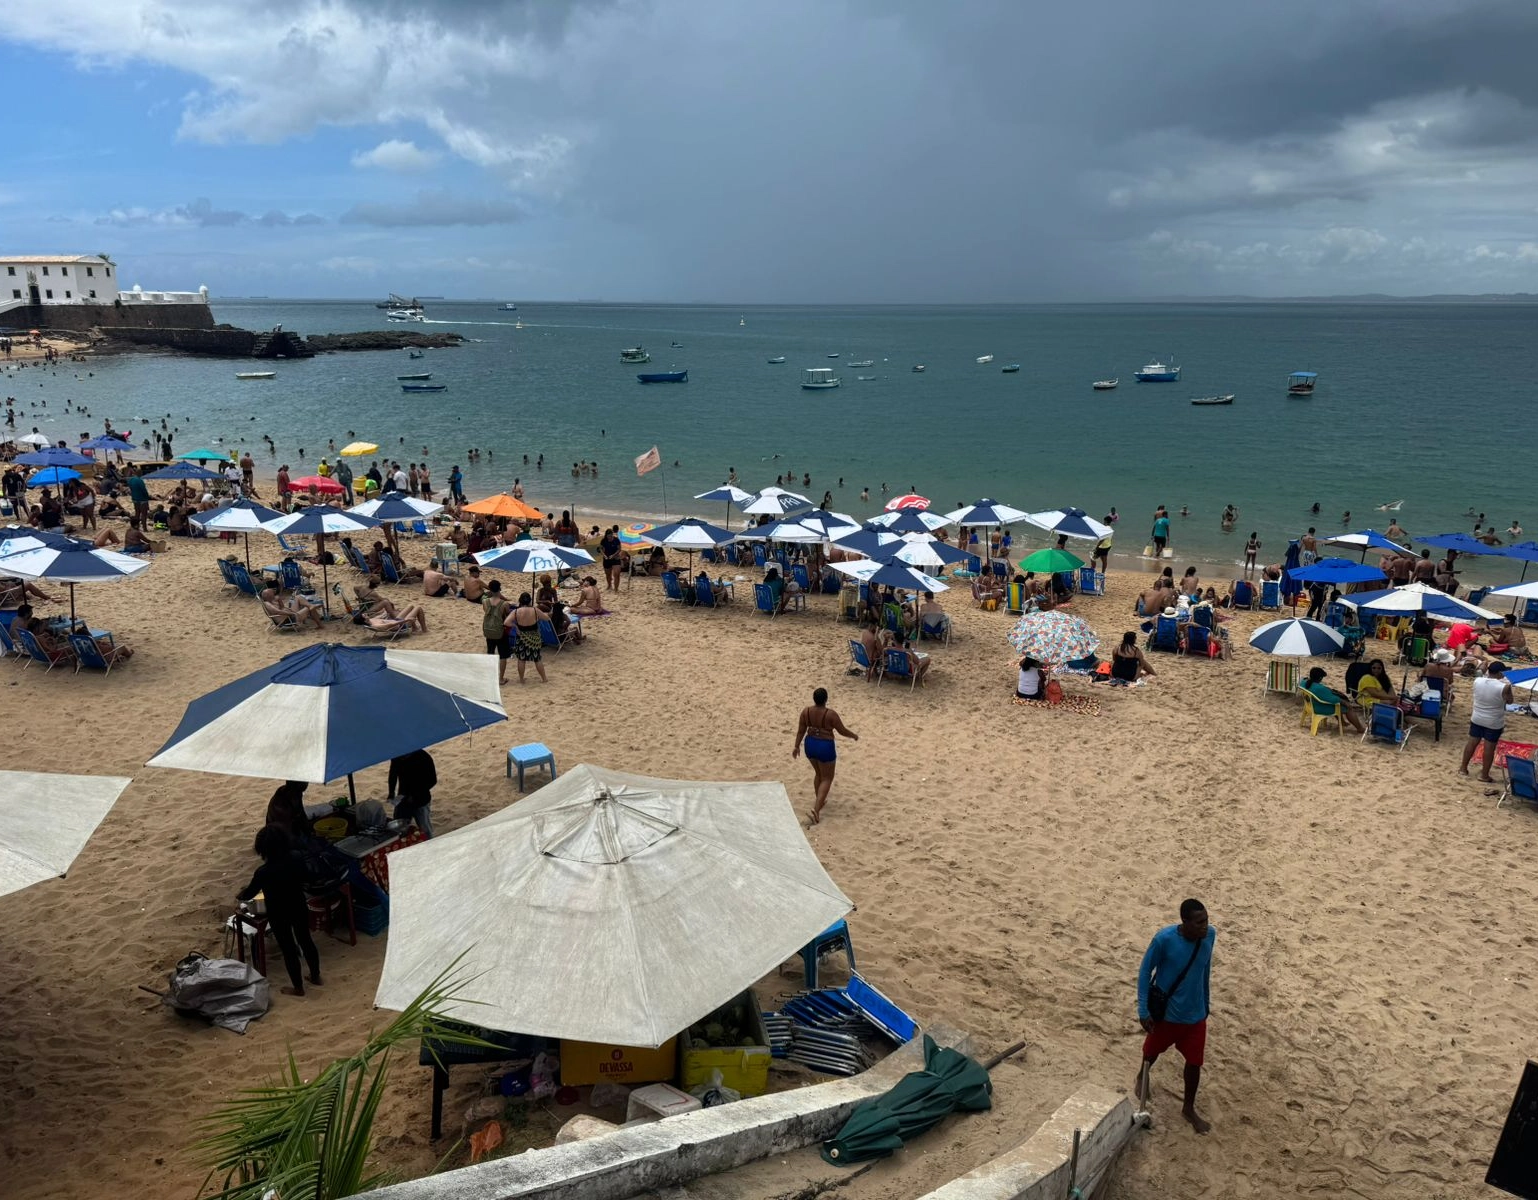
x: 108, y: 317
x: 226, y: 341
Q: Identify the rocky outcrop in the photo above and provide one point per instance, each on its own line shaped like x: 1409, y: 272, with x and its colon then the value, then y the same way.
x: 226, y: 341
x: 382, y: 339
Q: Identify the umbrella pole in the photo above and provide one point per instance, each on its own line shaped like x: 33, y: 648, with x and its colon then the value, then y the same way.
x: 247, y: 536
x: 352, y: 790
x: 325, y: 601
x: 72, y: 606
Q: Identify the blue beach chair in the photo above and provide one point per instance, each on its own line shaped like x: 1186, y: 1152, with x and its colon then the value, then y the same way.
x: 763, y: 598
x: 1271, y: 595
x: 1387, y: 725
x: 670, y: 588
x: 896, y: 667
x: 1521, y: 781
x: 760, y: 555
x: 1165, y: 635
x: 1244, y: 594
x: 704, y: 594
x: 89, y: 654
x: 859, y: 658
x: 1091, y: 581
x: 798, y: 573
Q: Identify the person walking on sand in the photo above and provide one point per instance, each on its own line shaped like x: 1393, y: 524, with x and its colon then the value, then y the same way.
x: 815, y: 729
x: 1487, y: 719
x: 1174, y: 995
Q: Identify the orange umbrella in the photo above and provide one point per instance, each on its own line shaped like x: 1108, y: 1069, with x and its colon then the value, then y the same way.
x: 504, y: 505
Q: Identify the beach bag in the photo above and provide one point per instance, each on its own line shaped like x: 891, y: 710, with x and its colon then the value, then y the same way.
x: 1054, y: 692
x: 1159, y: 999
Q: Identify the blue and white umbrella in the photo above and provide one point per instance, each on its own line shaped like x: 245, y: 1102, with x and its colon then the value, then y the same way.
x: 1297, y: 638
x: 908, y: 520
x: 397, y: 507
x: 533, y: 556
x: 1338, y: 571
x: 787, y: 529
x: 72, y: 565
x: 987, y: 512
x: 237, y: 516
x: 1417, y: 598
x: 52, y: 477
x: 1368, y: 539
x: 913, y: 549
x: 185, y: 470
x: 328, y: 710
x: 1075, y: 522
x: 16, y: 538
x: 775, y: 501
x: 1523, y: 677
x: 54, y: 456
x: 689, y: 534
x: 890, y: 574
x: 729, y: 495
x: 321, y: 518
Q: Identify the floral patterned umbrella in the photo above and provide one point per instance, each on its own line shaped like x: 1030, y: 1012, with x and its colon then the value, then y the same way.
x: 1053, y: 637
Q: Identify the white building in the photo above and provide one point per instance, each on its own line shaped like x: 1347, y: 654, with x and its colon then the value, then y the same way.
x: 75, y: 279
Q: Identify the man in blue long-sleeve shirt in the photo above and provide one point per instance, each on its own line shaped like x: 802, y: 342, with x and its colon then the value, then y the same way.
x: 1179, y: 962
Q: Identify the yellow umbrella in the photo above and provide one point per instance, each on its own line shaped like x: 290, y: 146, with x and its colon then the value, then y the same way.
x: 504, y: 505
x: 357, y: 449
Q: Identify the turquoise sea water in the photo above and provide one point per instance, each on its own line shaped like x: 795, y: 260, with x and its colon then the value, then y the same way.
x: 1420, y: 402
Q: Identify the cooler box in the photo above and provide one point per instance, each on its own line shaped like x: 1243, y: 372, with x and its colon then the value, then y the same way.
x: 743, y: 1068
x: 590, y: 1062
x: 658, y: 1100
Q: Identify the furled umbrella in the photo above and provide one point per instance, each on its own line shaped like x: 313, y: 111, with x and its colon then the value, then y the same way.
x: 72, y: 565
x: 1297, y: 638
x: 330, y: 710
x: 729, y: 495
x: 237, y: 516
x: 53, y: 456
x: 318, y: 520
x: 46, y: 820
x: 950, y: 1082
x: 911, y: 500
x: 1053, y: 637
x: 647, y: 904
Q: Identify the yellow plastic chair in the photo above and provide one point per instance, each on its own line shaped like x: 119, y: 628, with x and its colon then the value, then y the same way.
x: 1313, y: 718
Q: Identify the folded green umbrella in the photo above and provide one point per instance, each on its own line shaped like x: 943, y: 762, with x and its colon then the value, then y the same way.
x: 950, y: 1081
x: 1051, y: 561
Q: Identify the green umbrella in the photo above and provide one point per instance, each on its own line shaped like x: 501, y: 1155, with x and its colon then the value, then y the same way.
x: 1051, y: 561
x: 918, y: 1102
x: 206, y: 456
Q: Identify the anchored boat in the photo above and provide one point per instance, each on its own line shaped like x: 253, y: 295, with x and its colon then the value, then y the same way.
x: 424, y: 387
x: 1158, y: 372
x: 256, y: 374
x: 424, y: 375
x: 984, y: 359
x: 1009, y: 368
x: 778, y: 358
x: 1228, y: 399
x: 1105, y: 385
x: 664, y: 377
x: 635, y: 354
x: 819, y: 378
x: 1301, y: 383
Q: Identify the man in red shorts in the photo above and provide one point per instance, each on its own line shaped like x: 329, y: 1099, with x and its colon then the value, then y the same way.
x: 1177, y: 968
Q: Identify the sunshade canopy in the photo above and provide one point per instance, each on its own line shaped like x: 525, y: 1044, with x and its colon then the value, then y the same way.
x: 987, y: 512
x: 355, y: 449
x: 184, y: 470
x: 72, y: 564
x: 908, y: 520
x: 890, y: 573
x: 206, y: 456
x: 1075, y: 522
x: 608, y: 907
x: 726, y: 492
x: 1053, y: 637
x: 397, y: 507
x: 53, y: 456
x: 52, y: 477
x: 504, y: 505
x: 533, y: 555
x: 1337, y: 571
x: 689, y: 534
x: 1297, y: 638
x: 775, y: 501
x: 237, y: 516
x: 911, y: 500
x: 1416, y: 597
x: 321, y: 518
x: 1368, y: 538
x: 46, y: 820
x: 1051, y: 561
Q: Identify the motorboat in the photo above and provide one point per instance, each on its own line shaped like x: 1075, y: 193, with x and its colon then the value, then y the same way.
x: 816, y: 379
x: 408, y: 378
x: 919, y: 368
x: 742, y: 320
x: 1009, y: 368
x: 256, y: 374
x: 635, y: 354
x: 416, y: 354
x: 665, y: 377
x: 984, y: 359
x: 518, y: 324
x: 778, y: 358
x: 1228, y: 399
x: 832, y: 356
x: 424, y: 387
x: 1105, y: 385
x: 405, y: 314
x: 864, y: 362
x: 865, y: 378
x: 1158, y: 372
x: 509, y: 307
x: 1301, y: 383
x: 678, y: 345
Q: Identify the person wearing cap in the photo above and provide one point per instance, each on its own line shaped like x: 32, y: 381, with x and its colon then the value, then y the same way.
x: 1487, y: 721
x: 1326, y: 699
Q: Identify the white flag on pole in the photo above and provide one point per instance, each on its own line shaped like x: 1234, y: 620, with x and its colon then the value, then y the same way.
x: 649, y: 461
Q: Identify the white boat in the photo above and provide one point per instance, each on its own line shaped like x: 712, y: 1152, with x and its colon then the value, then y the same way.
x: 1158, y: 372
x: 984, y: 359
x: 742, y: 320
x: 819, y: 378
x: 1228, y: 399
x: 509, y: 307
x: 833, y: 356
x: 864, y: 362
x: 635, y: 354
x: 918, y: 368
x: 256, y: 374
x: 865, y: 378
x: 1105, y: 385
x: 779, y: 358
x: 518, y: 324
x: 405, y: 314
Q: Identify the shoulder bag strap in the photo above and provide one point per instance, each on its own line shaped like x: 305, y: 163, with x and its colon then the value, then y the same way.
x: 1190, y: 962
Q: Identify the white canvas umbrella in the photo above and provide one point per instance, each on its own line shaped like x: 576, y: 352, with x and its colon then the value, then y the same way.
x: 46, y: 820
x: 775, y: 501
x: 1416, y: 598
x: 608, y: 907
x: 32, y: 439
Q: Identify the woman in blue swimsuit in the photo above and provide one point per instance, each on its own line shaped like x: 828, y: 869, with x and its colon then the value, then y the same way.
x: 815, y: 730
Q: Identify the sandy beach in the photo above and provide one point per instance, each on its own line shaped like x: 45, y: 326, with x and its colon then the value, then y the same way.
x: 1374, y: 952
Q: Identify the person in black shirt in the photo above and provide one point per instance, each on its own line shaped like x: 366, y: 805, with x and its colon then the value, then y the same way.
x: 412, y: 779
x: 280, y: 879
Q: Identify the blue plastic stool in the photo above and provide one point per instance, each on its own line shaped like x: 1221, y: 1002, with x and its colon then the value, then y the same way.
x: 834, y: 937
x: 531, y: 754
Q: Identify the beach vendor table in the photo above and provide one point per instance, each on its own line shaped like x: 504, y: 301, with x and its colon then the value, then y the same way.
x: 1414, y: 709
x: 440, y: 1056
x: 370, y: 852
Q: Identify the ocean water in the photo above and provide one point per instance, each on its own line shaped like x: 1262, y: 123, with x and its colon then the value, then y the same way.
x: 1424, y: 403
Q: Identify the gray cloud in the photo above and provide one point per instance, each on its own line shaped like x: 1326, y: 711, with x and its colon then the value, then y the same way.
x: 201, y: 214
x: 434, y: 207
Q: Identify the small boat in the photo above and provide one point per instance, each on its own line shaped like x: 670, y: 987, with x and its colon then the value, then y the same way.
x: 518, y: 324
x: 779, y: 358
x: 424, y: 387
x: 1105, y: 385
x: 819, y: 378
x: 509, y: 307
x: 1228, y: 399
x: 832, y: 356
x: 424, y: 375
x: 256, y: 374
x: 665, y: 377
x: 865, y: 378
x: 864, y: 362
x: 415, y: 354
x: 1301, y: 383
x: 1009, y: 368
x: 635, y: 354
x: 742, y: 320
x: 918, y: 368
x: 678, y: 345
x: 1158, y: 372
x: 984, y: 359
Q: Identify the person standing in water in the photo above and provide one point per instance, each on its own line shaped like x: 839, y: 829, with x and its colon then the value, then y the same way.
x: 1174, y: 995
x: 815, y: 730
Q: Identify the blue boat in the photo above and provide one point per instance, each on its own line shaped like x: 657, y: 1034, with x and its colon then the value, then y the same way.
x: 424, y: 387
x: 665, y: 377
x: 1301, y: 383
x: 1158, y: 372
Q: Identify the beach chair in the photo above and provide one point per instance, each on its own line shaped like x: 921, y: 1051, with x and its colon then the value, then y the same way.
x: 1387, y: 725
x: 1271, y: 595
x: 1317, y: 713
x: 1201, y: 642
x: 936, y: 628
x: 783, y: 559
x: 1091, y: 581
x: 398, y: 628
x: 419, y: 528
x: 971, y: 568
x: 88, y: 653
x: 1243, y: 594
x: 1204, y: 616
x: 859, y: 658
x: 709, y: 555
x: 36, y: 653
x: 732, y: 557
x: 1165, y: 635
x: 549, y: 637
x: 387, y: 570
x: 892, y: 618
x: 763, y: 598
x: 1335, y: 614
x: 895, y: 666
x: 297, y: 546
x: 704, y: 594
x: 283, y: 622
x: 670, y: 587
x: 1414, y: 652
x: 290, y: 577
x: 1521, y: 781
x: 1014, y: 599
x: 798, y: 573
x: 225, y: 574
x: 243, y: 581
x: 355, y: 556
x: 1477, y: 596
x: 8, y: 647
x: 1000, y: 571
x: 1529, y: 613
x: 760, y: 556
x: 1281, y: 676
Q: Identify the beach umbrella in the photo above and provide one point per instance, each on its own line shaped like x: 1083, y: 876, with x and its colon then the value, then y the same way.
x: 108, y: 442
x: 184, y: 470
x: 828, y: 524
x: 357, y: 449
x: 1368, y: 539
x: 397, y: 507
x: 688, y: 535
x: 31, y: 439
x: 321, y: 483
x: 52, y: 477
x: 329, y: 710
x: 1074, y: 522
x: 72, y: 565
x: 319, y: 520
x: 648, y: 903
x: 1051, y: 561
x: 46, y: 820
x: 908, y: 520
x: 1338, y: 571
x: 1517, y: 591
x: 237, y: 516
x: 631, y: 534
x: 531, y: 556
x: 1416, y: 598
x: 890, y: 573
x: 1053, y: 637
x: 1523, y: 552
x: 729, y: 495
x: 950, y: 1082
x: 914, y: 549
x: 1297, y: 638
x: 1523, y: 677
x: 505, y: 505
x: 1463, y: 543
x: 16, y: 538
x: 206, y: 456
x: 786, y: 530
x: 987, y: 512
x: 53, y: 456
x: 911, y: 500
x: 775, y: 501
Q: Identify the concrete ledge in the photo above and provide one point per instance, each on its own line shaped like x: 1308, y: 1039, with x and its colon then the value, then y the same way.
x: 1038, y: 1168
x: 675, y: 1150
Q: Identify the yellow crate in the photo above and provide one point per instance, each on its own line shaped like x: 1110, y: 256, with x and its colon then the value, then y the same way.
x: 744, y: 1069
x: 590, y: 1062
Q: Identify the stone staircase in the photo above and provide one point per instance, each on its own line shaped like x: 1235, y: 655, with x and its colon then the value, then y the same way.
x: 280, y: 343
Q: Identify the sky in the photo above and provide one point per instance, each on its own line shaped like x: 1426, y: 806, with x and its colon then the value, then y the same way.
x: 800, y: 151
